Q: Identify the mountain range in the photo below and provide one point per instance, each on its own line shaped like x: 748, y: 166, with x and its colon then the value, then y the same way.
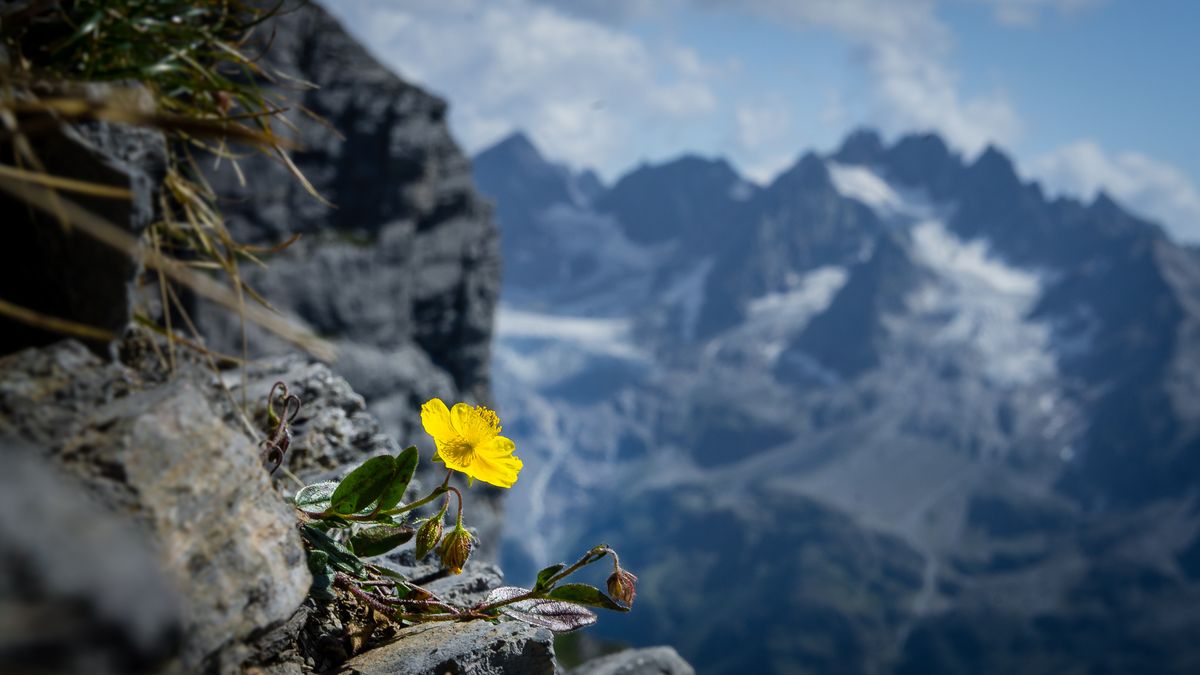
x: 895, y: 411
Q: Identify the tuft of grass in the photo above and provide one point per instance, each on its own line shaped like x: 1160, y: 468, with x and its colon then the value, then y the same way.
x: 197, y: 84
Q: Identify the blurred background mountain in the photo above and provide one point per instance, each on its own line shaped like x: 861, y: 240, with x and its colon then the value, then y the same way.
x: 895, y: 410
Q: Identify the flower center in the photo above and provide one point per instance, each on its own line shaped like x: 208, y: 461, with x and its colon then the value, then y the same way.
x: 457, y: 450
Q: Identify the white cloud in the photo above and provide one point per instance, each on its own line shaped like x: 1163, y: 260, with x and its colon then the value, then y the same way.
x: 1028, y: 12
x: 903, y: 48
x: 762, y: 125
x: 1149, y: 187
x: 763, y: 132
x: 580, y: 87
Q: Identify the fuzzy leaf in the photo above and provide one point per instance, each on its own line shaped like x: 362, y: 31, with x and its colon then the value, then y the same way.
x: 363, y: 485
x: 558, y: 616
x: 380, y: 539
x: 340, y: 557
x: 404, y: 466
x: 314, y: 499
x: 502, y: 593
x: 583, y: 594
x: 545, y: 574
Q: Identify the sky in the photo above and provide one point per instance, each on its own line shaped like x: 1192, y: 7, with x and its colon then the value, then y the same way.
x: 1083, y: 94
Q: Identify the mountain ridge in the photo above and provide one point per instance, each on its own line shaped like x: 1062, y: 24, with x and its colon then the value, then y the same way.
x: 916, y: 347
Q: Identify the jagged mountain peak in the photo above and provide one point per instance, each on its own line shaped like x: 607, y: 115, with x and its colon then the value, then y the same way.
x: 861, y: 146
x: 808, y: 173
x: 695, y: 170
x: 515, y: 146
x: 994, y: 167
x: 521, y: 180
x: 691, y: 199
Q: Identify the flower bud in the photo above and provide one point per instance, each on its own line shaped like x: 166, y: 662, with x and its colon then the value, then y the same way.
x: 456, y: 548
x: 428, y: 536
x: 622, y: 586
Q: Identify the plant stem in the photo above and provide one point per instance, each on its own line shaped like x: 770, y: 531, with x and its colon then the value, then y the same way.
x: 458, y: 522
x: 427, y: 603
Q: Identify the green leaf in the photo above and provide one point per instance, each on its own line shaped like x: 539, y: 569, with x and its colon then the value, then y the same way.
x: 380, y: 539
x: 560, y: 617
x: 340, y: 557
x: 363, y: 486
x: 583, y: 594
x: 314, y: 499
x: 545, y: 574
x: 402, y: 472
x: 318, y: 562
x: 86, y: 28
x: 385, y: 571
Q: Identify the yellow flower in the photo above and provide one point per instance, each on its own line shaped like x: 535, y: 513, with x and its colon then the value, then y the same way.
x: 468, y: 440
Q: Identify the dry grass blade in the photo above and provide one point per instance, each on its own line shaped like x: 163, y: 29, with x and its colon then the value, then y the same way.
x: 66, y: 184
x: 117, y: 238
x: 53, y: 323
x: 79, y: 109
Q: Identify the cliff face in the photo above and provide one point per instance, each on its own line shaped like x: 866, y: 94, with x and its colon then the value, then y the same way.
x: 402, y: 273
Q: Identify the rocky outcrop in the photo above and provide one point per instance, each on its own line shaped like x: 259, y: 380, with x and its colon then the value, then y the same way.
x: 476, y: 648
x: 647, y: 661
x: 139, y: 531
x: 158, y: 460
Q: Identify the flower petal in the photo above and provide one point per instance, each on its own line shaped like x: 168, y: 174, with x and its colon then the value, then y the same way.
x: 435, y: 417
x: 495, y: 463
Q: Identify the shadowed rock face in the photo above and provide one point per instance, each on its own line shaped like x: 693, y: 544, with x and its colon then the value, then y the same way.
x: 404, y: 271
x: 61, y: 271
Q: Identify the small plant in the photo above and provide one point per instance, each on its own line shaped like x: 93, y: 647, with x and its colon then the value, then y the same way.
x: 187, y: 69
x: 364, y: 515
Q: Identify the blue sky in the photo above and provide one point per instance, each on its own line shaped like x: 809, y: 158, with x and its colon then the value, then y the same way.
x: 1084, y: 94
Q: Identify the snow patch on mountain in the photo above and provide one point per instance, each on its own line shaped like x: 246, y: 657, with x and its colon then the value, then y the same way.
x: 888, y: 202
x: 979, y: 300
x: 863, y: 184
x: 608, y: 336
x: 687, y: 294
x: 773, y: 318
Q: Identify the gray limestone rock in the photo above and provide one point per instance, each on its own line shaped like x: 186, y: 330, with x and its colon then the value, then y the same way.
x: 116, y: 613
x: 646, y: 661
x: 159, y: 457
x: 333, y: 432
x: 474, y: 648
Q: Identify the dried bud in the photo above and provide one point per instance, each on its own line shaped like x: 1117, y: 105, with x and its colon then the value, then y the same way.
x: 456, y: 548
x: 428, y: 536
x: 622, y: 586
